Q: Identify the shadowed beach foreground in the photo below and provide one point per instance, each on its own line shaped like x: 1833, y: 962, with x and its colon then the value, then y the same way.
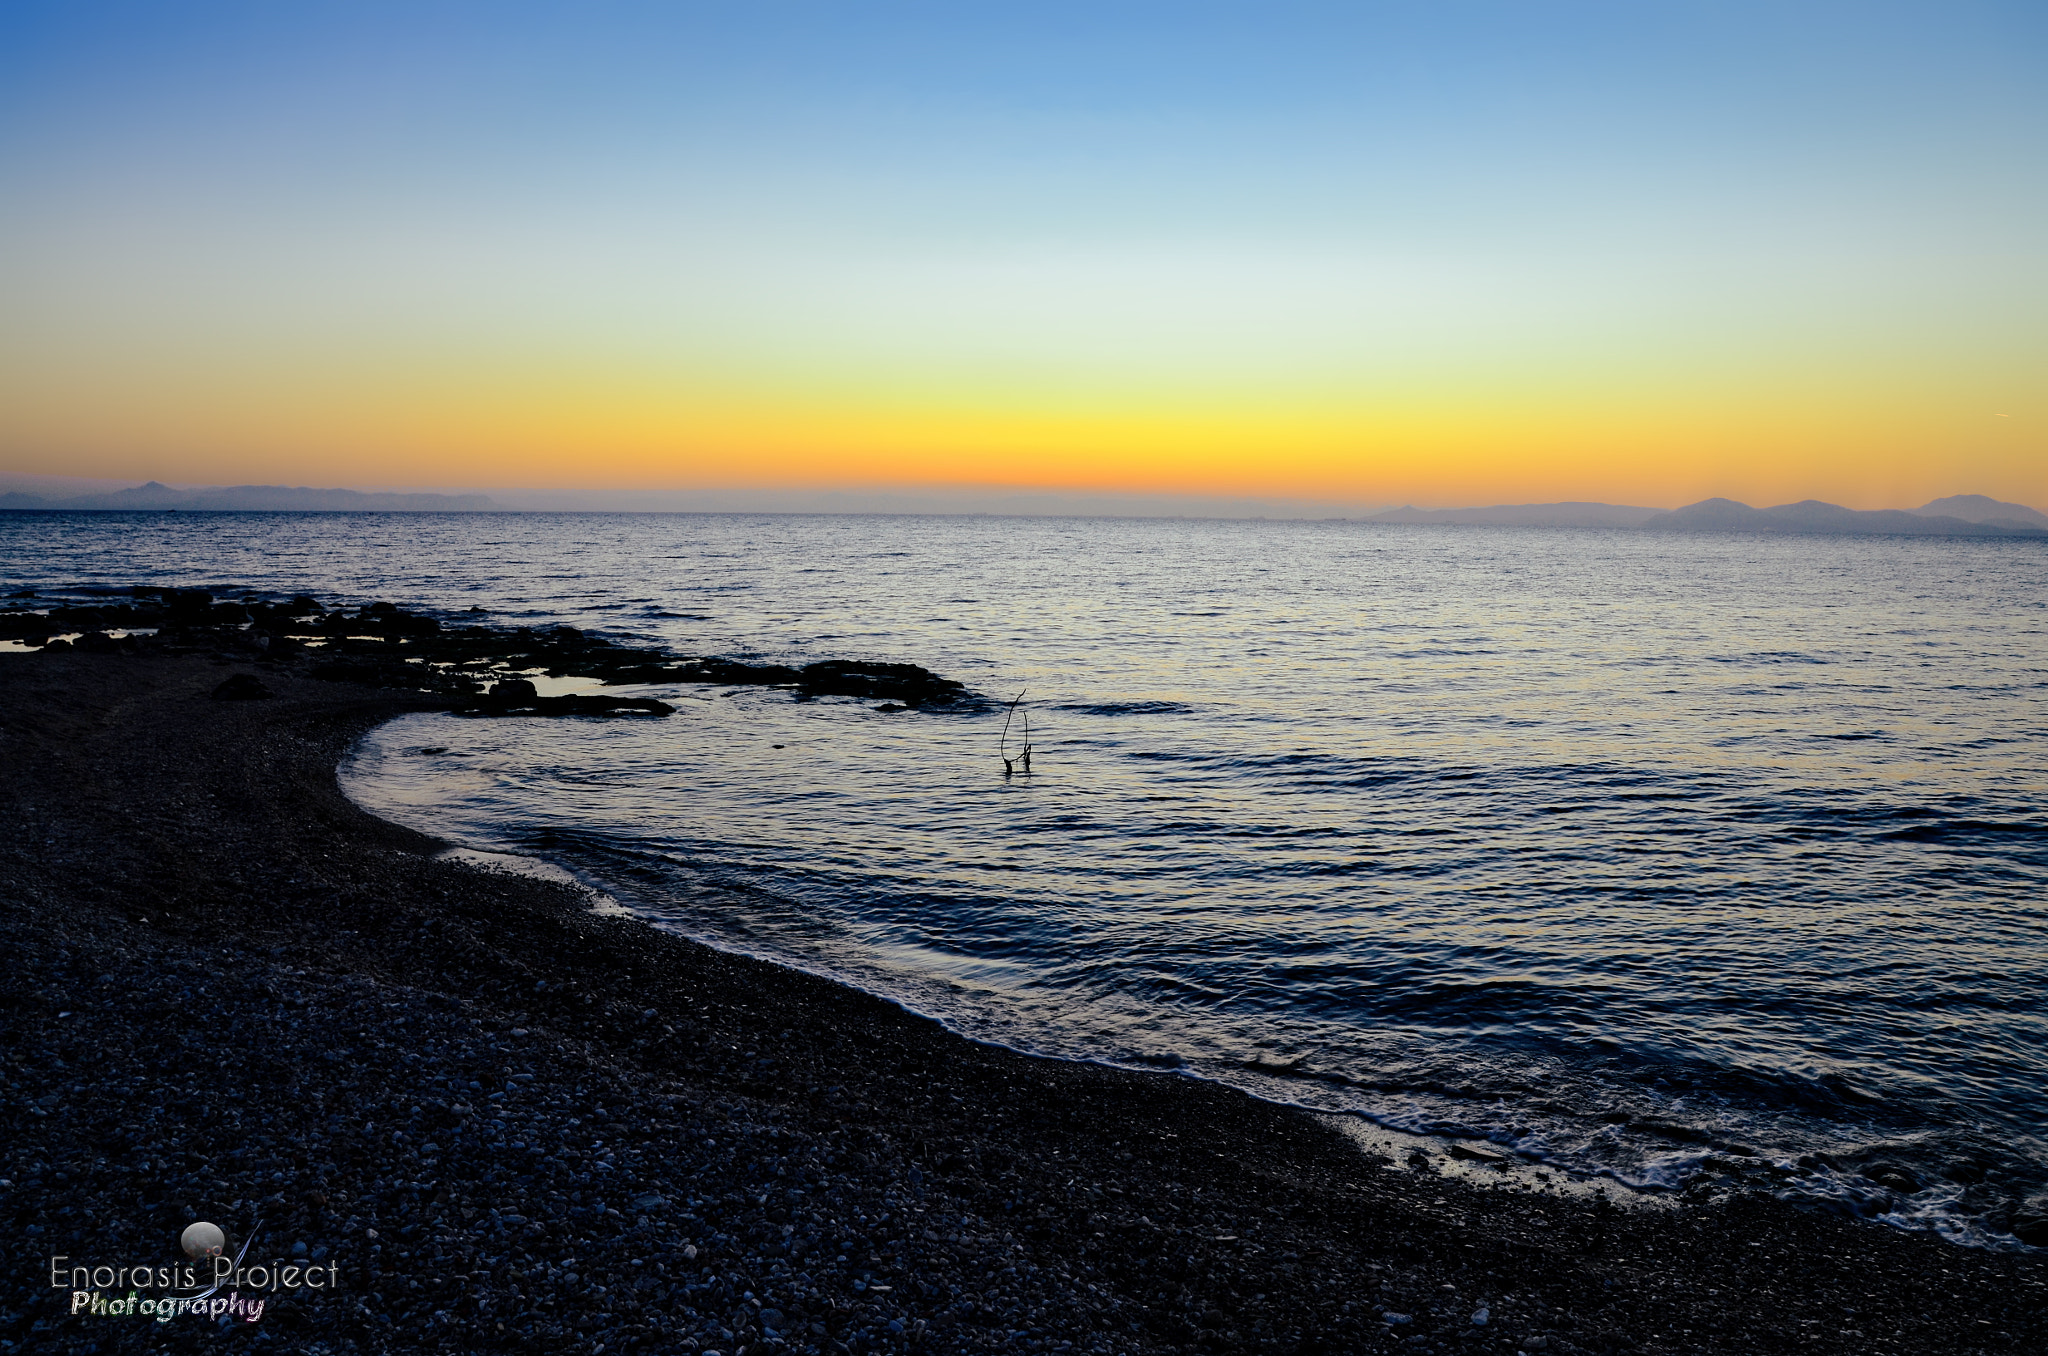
x: 511, y: 1124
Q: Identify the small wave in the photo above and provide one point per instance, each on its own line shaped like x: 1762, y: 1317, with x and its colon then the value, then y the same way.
x: 1765, y: 657
x: 1146, y: 708
x: 1962, y: 830
x: 1483, y: 1002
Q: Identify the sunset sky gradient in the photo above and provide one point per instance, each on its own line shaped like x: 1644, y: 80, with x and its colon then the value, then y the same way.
x: 1462, y: 251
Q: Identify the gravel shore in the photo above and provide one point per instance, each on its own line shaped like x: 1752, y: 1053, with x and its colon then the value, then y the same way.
x: 500, y: 1121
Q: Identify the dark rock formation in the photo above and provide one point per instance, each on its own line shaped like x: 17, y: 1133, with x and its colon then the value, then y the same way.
x: 905, y: 683
x: 381, y: 644
x: 243, y: 687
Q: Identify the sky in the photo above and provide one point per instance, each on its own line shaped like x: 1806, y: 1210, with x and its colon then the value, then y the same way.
x: 1443, y: 252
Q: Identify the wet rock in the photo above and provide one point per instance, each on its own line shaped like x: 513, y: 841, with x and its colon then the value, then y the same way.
x: 1480, y: 1153
x: 383, y: 645
x: 367, y: 672
x: 731, y: 671
x: 905, y: 683
x: 243, y: 687
x: 17, y: 623
x: 186, y: 604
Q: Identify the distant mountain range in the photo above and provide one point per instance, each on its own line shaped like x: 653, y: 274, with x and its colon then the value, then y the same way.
x: 247, y: 498
x: 1959, y: 515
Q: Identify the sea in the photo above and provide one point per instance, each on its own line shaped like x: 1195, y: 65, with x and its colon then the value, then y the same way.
x: 1679, y: 863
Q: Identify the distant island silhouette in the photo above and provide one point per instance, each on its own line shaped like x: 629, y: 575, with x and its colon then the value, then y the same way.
x: 1958, y: 515
x: 250, y: 498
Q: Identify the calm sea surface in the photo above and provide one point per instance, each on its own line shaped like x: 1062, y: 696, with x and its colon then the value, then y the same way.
x: 1640, y: 854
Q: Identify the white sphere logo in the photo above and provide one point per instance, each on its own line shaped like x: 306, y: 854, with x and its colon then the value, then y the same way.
x: 202, y: 1240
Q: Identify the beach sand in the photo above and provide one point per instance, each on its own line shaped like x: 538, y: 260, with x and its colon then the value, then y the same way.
x: 509, y: 1123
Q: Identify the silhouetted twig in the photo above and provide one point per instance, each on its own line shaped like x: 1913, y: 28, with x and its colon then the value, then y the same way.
x: 1003, y: 744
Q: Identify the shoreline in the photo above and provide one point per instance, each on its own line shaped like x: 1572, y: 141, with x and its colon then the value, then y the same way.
x: 570, y: 1130
x: 1489, y: 1166
x: 1447, y: 1156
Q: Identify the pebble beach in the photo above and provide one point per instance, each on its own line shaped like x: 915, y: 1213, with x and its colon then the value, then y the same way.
x: 502, y: 1120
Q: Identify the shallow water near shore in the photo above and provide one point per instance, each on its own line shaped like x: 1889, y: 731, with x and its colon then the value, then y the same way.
x: 1676, y: 861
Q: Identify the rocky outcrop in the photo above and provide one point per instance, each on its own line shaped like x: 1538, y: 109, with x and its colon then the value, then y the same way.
x: 381, y: 644
x: 906, y: 683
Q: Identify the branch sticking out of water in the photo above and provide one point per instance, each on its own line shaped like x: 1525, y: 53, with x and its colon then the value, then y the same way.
x: 1003, y: 744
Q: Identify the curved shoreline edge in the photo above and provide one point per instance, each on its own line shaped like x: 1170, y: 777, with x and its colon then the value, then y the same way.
x: 1486, y: 1163
x: 517, y: 1125
x: 1472, y: 1158
x: 1451, y: 1146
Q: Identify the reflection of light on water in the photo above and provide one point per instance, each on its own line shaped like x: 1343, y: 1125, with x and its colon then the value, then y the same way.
x: 1433, y: 1154
x: 1492, y: 834
x: 994, y: 976
x: 1065, y: 921
x: 544, y: 686
x: 22, y: 647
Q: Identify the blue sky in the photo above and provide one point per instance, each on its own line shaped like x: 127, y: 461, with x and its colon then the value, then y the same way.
x: 1061, y: 225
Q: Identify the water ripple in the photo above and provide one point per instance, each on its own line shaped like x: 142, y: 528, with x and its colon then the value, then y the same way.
x: 1622, y: 853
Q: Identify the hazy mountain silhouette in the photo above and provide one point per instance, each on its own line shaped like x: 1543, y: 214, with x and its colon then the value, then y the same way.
x: 247, y: 498
x: 1978, y: 508
x: 1961, y: 515
x: 1812, y: 515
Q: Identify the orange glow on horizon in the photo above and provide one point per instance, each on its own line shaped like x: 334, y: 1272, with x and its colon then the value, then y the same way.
x: 1665, y: 450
